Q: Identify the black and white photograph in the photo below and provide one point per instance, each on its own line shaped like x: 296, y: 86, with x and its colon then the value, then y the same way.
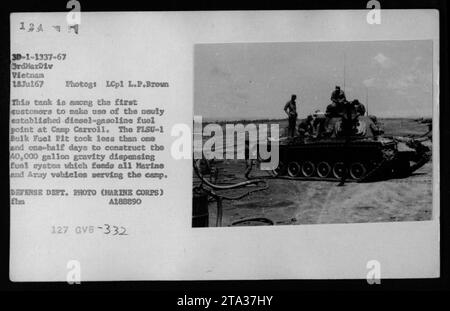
x: 355, y: 132
x: 202, y: 146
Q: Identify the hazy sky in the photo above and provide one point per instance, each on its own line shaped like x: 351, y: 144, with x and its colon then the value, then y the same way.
x: 255, y: 80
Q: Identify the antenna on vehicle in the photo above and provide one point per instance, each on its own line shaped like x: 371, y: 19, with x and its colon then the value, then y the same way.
x: 367, y: 99
x: 344, y: 70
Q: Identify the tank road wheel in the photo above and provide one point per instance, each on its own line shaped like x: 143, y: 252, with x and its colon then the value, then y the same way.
x: 323, y: 169
x: 308, y: 169
x: 293, y: 169
x: 279, y: 170
x: 338, y: 170
x: 357, y: 170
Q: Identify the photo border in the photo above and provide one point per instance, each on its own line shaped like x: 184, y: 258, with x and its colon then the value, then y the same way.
x: 181, y: 287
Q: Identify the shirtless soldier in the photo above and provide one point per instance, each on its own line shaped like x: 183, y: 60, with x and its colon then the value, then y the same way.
x: 291, y: 110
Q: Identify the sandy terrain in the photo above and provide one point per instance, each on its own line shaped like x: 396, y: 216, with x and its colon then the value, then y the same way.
x: 321, y: 202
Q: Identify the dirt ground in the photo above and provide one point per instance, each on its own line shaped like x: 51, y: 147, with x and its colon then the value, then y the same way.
x: 288, y: 202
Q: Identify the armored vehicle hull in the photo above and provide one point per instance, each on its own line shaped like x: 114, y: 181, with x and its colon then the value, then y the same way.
x: 350, y: 159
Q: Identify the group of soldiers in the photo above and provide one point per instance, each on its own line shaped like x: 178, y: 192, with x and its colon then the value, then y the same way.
x: 339, y: 107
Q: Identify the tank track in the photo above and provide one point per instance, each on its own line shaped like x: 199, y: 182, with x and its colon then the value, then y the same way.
x: 366, y: 177
x: 381, y: 169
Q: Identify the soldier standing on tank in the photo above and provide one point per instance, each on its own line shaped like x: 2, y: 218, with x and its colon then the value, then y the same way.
x: 291, y: 110
x: 338, y: 100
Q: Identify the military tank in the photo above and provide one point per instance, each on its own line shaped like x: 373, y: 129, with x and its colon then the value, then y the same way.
x: 348, y: 146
